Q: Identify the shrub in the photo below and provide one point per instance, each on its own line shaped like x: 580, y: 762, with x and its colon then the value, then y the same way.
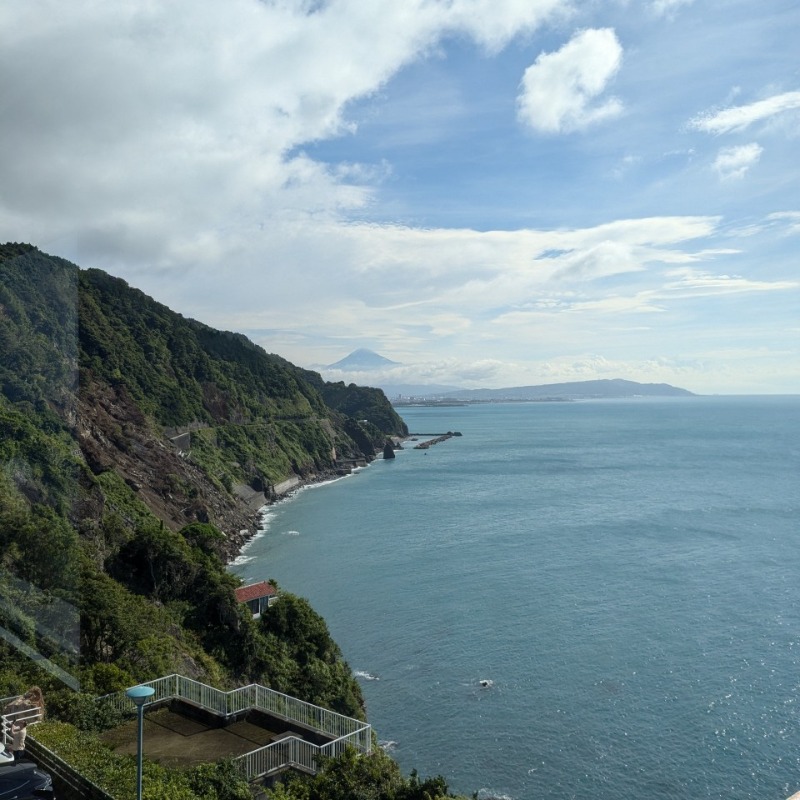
x: 116, y: 774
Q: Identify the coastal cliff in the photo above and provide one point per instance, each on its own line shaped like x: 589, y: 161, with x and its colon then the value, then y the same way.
x: 202, y: 425
x: 136, y: 447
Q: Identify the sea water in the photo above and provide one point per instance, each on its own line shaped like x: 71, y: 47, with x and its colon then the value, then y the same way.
x: 572, y: 600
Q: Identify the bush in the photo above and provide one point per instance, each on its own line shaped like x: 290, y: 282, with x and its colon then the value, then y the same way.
x: 82, y: 711
x: 116, y: 774
x: 355, y: 777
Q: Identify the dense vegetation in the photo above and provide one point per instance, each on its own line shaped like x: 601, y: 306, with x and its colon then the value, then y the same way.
x: 113, y: 542
x: 353, y: 777
x: 116, y: 774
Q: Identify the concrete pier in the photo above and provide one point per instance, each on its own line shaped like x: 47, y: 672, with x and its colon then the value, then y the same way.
x: 437, y: 438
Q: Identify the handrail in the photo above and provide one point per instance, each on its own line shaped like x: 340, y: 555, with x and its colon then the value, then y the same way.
x: 289, y: 751
x: 30, y: 714
x: 261, y: 698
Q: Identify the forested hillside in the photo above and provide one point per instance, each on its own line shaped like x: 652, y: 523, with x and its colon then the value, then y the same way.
x: 102, y: 510
x: 135, y: 447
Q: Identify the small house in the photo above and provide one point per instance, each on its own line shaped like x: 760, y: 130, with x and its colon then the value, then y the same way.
x: 257, y: 596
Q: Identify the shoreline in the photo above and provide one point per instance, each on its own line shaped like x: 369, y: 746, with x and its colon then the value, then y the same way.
x: 293, y: 487
x: 262, y: 502
x: 259, y: 502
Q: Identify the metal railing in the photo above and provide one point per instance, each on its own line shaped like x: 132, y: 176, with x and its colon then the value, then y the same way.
x: 74, y: 784
x: 29, y: 715
x: 289, y: 751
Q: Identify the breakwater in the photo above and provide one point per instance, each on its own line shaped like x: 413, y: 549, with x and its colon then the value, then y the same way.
x: 437, y: 438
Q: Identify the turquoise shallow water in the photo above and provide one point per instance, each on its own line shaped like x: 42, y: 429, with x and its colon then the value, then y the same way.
x: 623, y: 572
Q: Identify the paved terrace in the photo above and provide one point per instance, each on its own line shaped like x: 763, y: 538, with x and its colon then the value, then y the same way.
x: 175, y: 739
x: 188, y: 723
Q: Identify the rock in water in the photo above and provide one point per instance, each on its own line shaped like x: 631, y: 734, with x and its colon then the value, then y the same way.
x: 388, y: 450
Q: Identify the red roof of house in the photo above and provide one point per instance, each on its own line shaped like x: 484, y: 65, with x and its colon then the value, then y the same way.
x: 244, y: 594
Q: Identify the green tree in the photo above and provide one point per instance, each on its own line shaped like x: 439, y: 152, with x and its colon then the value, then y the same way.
x: 351, y: 776
x: 320, y: 674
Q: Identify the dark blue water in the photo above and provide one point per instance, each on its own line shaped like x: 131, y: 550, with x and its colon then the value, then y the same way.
x: 625, y: 573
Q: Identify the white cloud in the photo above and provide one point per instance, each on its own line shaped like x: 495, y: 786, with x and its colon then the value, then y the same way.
x: 667, y: 7
x: 405, y: 284
x: 600, y: 260
x: 738, y: 118
x: 734, y: 162
x: 624, y: 166
x: 614, y: 305
x: 438, y: 255
x: 559, y: 89
x: 481, y: 372
x: 494, y: 23
x: 687, y: 281
x: 133, y: 128
x: 790, y: 218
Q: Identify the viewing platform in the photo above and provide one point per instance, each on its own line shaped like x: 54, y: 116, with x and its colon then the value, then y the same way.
x: 265, y: 732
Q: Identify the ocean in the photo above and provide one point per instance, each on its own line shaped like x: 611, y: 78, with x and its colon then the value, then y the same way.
x: 572, y: 600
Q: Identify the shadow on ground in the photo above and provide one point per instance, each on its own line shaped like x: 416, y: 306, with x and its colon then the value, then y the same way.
x: 175, y: 740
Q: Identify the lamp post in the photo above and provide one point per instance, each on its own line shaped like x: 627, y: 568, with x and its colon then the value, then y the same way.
x: 139, y: 695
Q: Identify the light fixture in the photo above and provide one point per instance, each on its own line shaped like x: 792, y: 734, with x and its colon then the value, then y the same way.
x: 139, y: 695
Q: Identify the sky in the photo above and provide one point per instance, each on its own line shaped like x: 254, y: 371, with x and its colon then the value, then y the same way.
x: 491, y: 193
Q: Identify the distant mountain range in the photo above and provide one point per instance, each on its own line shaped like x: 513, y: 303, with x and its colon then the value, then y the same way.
x: 365, y: 360
x: 575, y: 390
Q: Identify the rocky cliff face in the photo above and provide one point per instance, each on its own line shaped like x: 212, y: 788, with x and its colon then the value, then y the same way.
x: 113, y: 435
x: 136, y: 447
x: 127, y: 377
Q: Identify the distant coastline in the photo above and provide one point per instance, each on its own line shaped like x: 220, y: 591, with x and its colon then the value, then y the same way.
x: 452, y: 403
x: 605, y: 389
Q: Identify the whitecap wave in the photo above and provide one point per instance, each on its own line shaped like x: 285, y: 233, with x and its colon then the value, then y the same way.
x: 242, y: 558
x: 491, y: 794
x: 264, y: 523
x: 387, y: 746
x: 359, y: 673
x: 267, y: 513
x: 319, y: 484
x: 291, y: 533
x: 260, y: 533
